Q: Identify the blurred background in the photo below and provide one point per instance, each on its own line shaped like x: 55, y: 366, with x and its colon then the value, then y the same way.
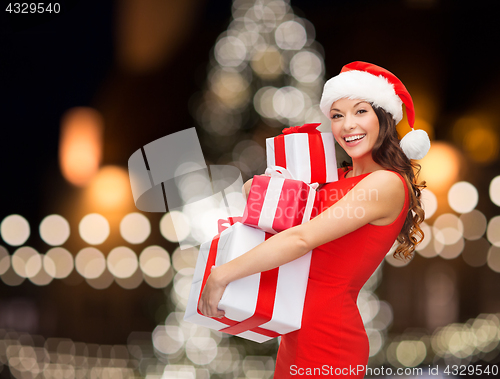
x: 93, y: 288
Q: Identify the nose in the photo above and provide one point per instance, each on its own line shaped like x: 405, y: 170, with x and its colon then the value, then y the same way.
x: 350, y: 122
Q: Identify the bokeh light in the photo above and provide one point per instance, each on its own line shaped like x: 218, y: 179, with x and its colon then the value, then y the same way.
x: 494, y: 190
x: 474, y: 224
x: 475, y: 252
x: 101, y: 282
x: 289, y: 102
x: 42, y: 278
x: 493, y: 258
x: 201, y: 350
x: 26, y: 262
x: 230, y: 51
x: 263, y: 102
x: 94, y: 229
x: 368, y: 305
x: 451, y: 251
x: 230, y: 87
x: 4, y: 260
x: 306, y: 66
x: 264, y: 42
x: 411, y: 353
x: 251, y: 154
x: 132, y: 281
x: 110, y: 187
x: 463, y: 197
x: 135, y: 228
x: 175, y: 226
x: 182, y: 287
x: 54, y: 230
x: 493, y: 231
x: 80, y: 145
x: 478, y: 136
x: 11, y: 278
x: 429, y: 202
x: 477, y: 336
x: 268, y: 64
x: 159, y: 282
x: 184, y: 260
x: 122, y: 262
x: 90, y: 263
x: 15, y: 230
x: 441, y: 154
x: 168, y: 339
x: 290, y: 35
x: 448, y: 229
x: 58, y: 262
x: 376, y: 341
x: 481, y: 144
x: 154, y: 261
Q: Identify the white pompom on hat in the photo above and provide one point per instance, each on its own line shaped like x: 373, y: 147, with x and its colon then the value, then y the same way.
x: 366, y: 81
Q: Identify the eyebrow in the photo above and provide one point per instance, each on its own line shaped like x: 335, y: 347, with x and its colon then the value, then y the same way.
x: 355, y: 105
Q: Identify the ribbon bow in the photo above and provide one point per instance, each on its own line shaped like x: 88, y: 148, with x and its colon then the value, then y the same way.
x: 306, y: 128
x: 223, y: 224
x: 280, y: 172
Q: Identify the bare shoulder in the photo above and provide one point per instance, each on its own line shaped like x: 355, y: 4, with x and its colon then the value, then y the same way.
x: 388, y: 185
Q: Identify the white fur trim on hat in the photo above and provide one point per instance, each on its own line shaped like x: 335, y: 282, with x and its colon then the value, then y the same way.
x: 415, y: 144
x: 365, y: 86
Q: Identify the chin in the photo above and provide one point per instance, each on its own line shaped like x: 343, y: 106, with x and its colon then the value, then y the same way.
x: 359, y: 155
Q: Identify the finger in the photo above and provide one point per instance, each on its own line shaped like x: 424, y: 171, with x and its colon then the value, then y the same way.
x: 220, y: 314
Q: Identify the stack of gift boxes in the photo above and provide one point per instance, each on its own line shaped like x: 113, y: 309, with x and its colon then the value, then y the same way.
x: 262, y: 306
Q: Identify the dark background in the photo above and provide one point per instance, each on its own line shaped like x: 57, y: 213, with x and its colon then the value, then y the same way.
x: 48, y: 66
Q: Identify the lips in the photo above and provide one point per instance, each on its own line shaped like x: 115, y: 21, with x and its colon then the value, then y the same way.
x: 353, y: 135
x: 357, y: 139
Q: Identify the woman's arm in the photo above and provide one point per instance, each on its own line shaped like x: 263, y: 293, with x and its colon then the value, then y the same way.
x: 378, y: 196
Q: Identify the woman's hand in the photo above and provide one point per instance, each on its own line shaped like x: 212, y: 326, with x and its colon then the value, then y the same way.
x: 246, y: 188
x: 247, y: 185
x: 211, y: 295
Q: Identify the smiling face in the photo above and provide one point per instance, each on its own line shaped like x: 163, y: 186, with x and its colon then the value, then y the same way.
x: 355, y: 126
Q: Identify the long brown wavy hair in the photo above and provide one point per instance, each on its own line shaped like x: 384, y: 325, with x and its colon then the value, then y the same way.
x: 387, y: 153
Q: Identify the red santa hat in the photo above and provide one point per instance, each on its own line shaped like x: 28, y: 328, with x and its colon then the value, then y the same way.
x: 366, y: 81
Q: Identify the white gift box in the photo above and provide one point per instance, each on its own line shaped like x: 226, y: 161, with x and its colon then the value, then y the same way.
x: 240, y: 299
x: 305, y: 152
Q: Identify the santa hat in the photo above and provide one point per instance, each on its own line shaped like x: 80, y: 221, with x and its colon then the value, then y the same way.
x: 366, y: 81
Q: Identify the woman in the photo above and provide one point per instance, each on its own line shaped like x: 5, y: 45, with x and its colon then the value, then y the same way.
x: 375, y: 202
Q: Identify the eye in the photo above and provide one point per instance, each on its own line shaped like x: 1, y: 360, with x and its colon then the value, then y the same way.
x: 336, y: 115
x: 362, y: 111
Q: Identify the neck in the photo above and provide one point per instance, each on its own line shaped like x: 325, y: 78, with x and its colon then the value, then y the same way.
x: 364, y: 165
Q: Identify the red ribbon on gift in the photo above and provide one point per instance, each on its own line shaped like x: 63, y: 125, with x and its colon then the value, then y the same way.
x: 306, y: 128
x: 265, y: 298
x: 318, y: 160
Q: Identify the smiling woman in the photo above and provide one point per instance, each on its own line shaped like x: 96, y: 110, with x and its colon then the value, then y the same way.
x: 355, y: 126
x: 350, y: 236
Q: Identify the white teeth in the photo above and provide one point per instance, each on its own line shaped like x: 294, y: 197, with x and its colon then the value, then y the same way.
x: 353, y: 138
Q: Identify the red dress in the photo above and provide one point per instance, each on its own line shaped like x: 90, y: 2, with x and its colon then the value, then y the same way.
x: 333, y: 336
